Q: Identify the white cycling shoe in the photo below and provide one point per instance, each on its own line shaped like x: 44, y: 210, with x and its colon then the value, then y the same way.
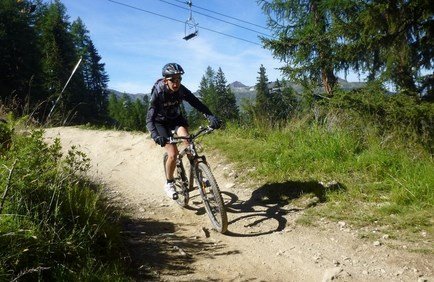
x: 169, y: 188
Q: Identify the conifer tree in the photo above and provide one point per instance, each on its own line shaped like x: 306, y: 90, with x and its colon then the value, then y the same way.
x: 128, y: 114
x: 207, y: 89
x: 20, y: 69
x: 226, y: 102
x: 304, y: 40
x: 262, y: 94
x: 395, y: 38
x: 92, y: 70
x: 388, y: 40
x: 58, y: 60
x: 282, y: 101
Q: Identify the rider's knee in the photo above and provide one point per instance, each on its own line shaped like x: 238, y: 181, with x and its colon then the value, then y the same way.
x: 171, y: 154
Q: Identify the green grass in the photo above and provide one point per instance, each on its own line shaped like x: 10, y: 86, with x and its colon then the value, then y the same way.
x: 384, y: 178
x: 54, y: 223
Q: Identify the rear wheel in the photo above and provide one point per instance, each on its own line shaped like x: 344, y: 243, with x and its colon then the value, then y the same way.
x: 181, y: 182
x: 211, y: 196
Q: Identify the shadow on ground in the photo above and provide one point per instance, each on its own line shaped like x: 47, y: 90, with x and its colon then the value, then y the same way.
x: 155, y: 249
x: 271, y: 202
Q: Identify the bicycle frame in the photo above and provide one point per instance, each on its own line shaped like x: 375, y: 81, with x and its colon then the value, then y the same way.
x: 190, y: 150
x: 206, y: 182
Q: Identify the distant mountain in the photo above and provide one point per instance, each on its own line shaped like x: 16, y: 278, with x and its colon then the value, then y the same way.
x: 132, y: 96
x: 236, y: 84
x: 241, y: 91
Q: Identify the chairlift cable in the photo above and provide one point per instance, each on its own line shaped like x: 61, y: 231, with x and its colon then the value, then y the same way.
x: 212, y: 17
x: 230, y: 17
x: 176, y: 20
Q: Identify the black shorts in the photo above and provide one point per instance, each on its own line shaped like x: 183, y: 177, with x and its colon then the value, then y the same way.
x: 165, y: 128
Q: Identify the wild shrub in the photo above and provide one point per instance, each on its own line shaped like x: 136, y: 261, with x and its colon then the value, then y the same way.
x: 404, y: 116
x: 54, y: 224
x: 6, y: 131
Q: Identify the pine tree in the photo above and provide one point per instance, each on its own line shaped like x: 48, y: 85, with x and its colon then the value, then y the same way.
x: 99, y: 80
x: 128, y: 114
x: 20, y: 69
x: 282, y: 101
x: 58, y: 60
x: 396, y: 39
x: 262, y: 104
x: 227, y: 104
x: 95, y: 77
x: 207, y: 90
x: 389, y: 40
x: 304, y: 40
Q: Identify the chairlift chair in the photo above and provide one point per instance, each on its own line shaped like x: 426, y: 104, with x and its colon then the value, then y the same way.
x: 191, y: 29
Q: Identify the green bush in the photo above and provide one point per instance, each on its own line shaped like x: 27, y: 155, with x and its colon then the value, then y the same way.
x: 54, y: 225
x: 5, y: 134
x: 405, y: 116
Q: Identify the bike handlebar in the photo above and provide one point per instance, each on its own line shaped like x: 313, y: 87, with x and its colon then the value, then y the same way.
x: 202, y: 131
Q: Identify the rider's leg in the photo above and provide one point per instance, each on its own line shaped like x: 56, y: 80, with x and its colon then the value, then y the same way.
x: 172, y: 153
x: 182, y: 131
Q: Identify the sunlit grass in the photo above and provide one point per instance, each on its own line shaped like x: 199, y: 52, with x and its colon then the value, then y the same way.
x: 386, y: 179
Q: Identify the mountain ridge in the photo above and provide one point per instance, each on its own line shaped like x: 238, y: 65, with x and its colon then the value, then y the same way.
x: 242, y: 91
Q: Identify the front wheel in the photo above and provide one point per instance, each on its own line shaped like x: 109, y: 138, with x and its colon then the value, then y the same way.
x: 181, y: 182
x: 212, y: 199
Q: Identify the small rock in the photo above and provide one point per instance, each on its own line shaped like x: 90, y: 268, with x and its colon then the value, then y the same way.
x: 377, y: 243
x: 365, y: 272
x: 386, y: 236
x: 342, y: 224
x: 230, y: 185
x: 332, y: 273
x: 181, y: 251
x: 399, y: 272
x: 206, y: 232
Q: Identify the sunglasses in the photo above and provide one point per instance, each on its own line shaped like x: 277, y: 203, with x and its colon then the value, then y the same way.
x: 174, y: 79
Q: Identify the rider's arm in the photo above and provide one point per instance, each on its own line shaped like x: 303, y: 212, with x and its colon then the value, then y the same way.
x: 195, y: 102
x: 150, y: 118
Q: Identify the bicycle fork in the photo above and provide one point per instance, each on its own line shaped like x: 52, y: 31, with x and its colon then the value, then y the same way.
x: 181, y: 172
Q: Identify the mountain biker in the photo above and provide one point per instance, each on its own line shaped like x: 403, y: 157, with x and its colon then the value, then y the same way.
x: 164, y: 115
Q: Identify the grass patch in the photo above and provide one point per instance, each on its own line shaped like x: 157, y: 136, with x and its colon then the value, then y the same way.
x: 388, y: 180
x: 54, y: 223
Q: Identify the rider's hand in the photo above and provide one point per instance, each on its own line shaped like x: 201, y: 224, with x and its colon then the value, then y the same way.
x: 160, y: 140
x: 214, y: 122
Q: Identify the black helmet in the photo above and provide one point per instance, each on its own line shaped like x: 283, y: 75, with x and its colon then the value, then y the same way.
x: 172, y: 69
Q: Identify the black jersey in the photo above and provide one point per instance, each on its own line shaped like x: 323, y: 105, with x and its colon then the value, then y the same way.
x: 165, y: 106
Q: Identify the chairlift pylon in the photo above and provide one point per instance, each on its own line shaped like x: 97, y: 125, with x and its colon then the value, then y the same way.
x: 191, y: 29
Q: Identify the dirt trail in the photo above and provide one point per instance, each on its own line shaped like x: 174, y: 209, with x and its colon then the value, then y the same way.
x: 263, y: 244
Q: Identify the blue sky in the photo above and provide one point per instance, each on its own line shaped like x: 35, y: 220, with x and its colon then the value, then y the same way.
x: 134, y: 45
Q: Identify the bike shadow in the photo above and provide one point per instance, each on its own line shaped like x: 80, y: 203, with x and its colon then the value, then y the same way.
x: 250, y: 218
